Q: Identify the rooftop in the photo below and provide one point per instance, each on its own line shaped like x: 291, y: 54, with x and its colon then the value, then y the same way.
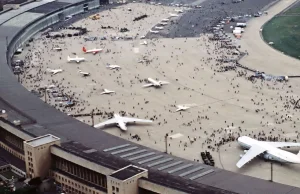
x: 127, y: 172
x: 42, y: 140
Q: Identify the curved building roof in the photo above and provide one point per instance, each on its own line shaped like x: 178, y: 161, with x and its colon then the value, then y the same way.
x: 39, y: 118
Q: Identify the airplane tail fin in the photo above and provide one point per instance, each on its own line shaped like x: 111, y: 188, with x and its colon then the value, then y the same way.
x: 69, y: 58
x: 83, y: 49
x: 298, y: 154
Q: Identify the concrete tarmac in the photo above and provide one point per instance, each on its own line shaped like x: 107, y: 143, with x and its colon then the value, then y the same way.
x: 228, y: 104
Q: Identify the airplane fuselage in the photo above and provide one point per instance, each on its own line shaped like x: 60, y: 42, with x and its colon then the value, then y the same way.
x: 76, y: 59
x: 120, y: 124
x: 155, y: 83
x: 272, y: 153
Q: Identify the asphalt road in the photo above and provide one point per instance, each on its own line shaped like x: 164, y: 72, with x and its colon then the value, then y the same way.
x: 197, y: 21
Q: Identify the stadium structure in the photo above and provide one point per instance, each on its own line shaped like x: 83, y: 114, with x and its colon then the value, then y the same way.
x: 39, y: 141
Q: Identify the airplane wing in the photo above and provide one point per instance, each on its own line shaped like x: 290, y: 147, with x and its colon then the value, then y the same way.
x: 106, y: 123
x: 283, y: 144
x: 254, y: 151
x: 147, y: 85
x: 135, y: 120
x: 164, y: 82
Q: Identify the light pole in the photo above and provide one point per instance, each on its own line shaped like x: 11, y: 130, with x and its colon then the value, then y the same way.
x: 46, y: 95
x: 271, y: 172
x: 92, y: 116
x: 166, y: 142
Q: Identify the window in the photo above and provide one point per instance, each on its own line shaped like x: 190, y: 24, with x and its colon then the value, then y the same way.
x: 117, y: 189
x: 113, y: 188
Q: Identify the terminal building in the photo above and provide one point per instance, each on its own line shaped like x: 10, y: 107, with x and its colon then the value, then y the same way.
x: 37, y: 140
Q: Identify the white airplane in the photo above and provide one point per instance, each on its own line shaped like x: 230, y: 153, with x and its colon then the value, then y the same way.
x: 84, y: 74
x: 155, y: 83
x: 159, y: 28
x: 163, y: 23
x: 154, y: 32
x: 165, y: 20
x: 49, y: 86
x: 268, y: 150
x: 54, y: 71
x: 179, y: 10
x: 113, y: 66
x: 121, y: 122
x: 144, y: 43
x: 76, y: 59
x: 106, y: 91
x: 173, y: 15
x: 94, y: 51
x: 57, y: 49
x: 184, y: 107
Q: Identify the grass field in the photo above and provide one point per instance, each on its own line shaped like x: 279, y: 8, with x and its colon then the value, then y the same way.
x: 284, y: 31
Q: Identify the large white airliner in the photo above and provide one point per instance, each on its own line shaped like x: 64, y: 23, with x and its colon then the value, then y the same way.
x: 76, y: 59
x: 94, y: 51
x: 54, y: 71
x: 121, y: 122
x: 269, y: 151
x: 155, y: 83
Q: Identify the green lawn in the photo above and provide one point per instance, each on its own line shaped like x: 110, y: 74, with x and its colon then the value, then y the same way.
x: 284, y: 31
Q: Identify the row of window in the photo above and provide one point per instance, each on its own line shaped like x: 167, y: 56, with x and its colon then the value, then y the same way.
x: 115, y: 188
x: 71, y: 186
x: 79, y: 171
x: 13, y: 152
x: 11, y: 138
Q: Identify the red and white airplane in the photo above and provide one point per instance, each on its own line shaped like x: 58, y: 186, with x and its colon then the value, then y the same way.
x: 94, y: 51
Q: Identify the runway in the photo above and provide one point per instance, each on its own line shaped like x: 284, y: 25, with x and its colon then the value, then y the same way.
x: 228, y: 104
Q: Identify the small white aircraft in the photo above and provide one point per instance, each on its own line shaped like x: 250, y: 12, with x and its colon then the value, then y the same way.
x: 159, y: 28
x: 52, y: 86
x: 181, y: 107
x: 155, y: 83
x: 144, y: 43
x: 76, y: 59
x: 57, y: 49
x: 268, y: 150
x: 163, y: 23
x: 165, y: 20
x: 106, y: 91
x: 179, y: 10
x: 84, y: 74
x: 121, y: 122
x: 113, y: 66
x: 173, y: 15
x: 94, y: 51
x: 154, y: 32
x: 54, y: 71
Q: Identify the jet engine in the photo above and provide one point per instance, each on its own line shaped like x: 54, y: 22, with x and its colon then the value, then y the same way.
x: 241, y: 155
x: 268, y: 157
